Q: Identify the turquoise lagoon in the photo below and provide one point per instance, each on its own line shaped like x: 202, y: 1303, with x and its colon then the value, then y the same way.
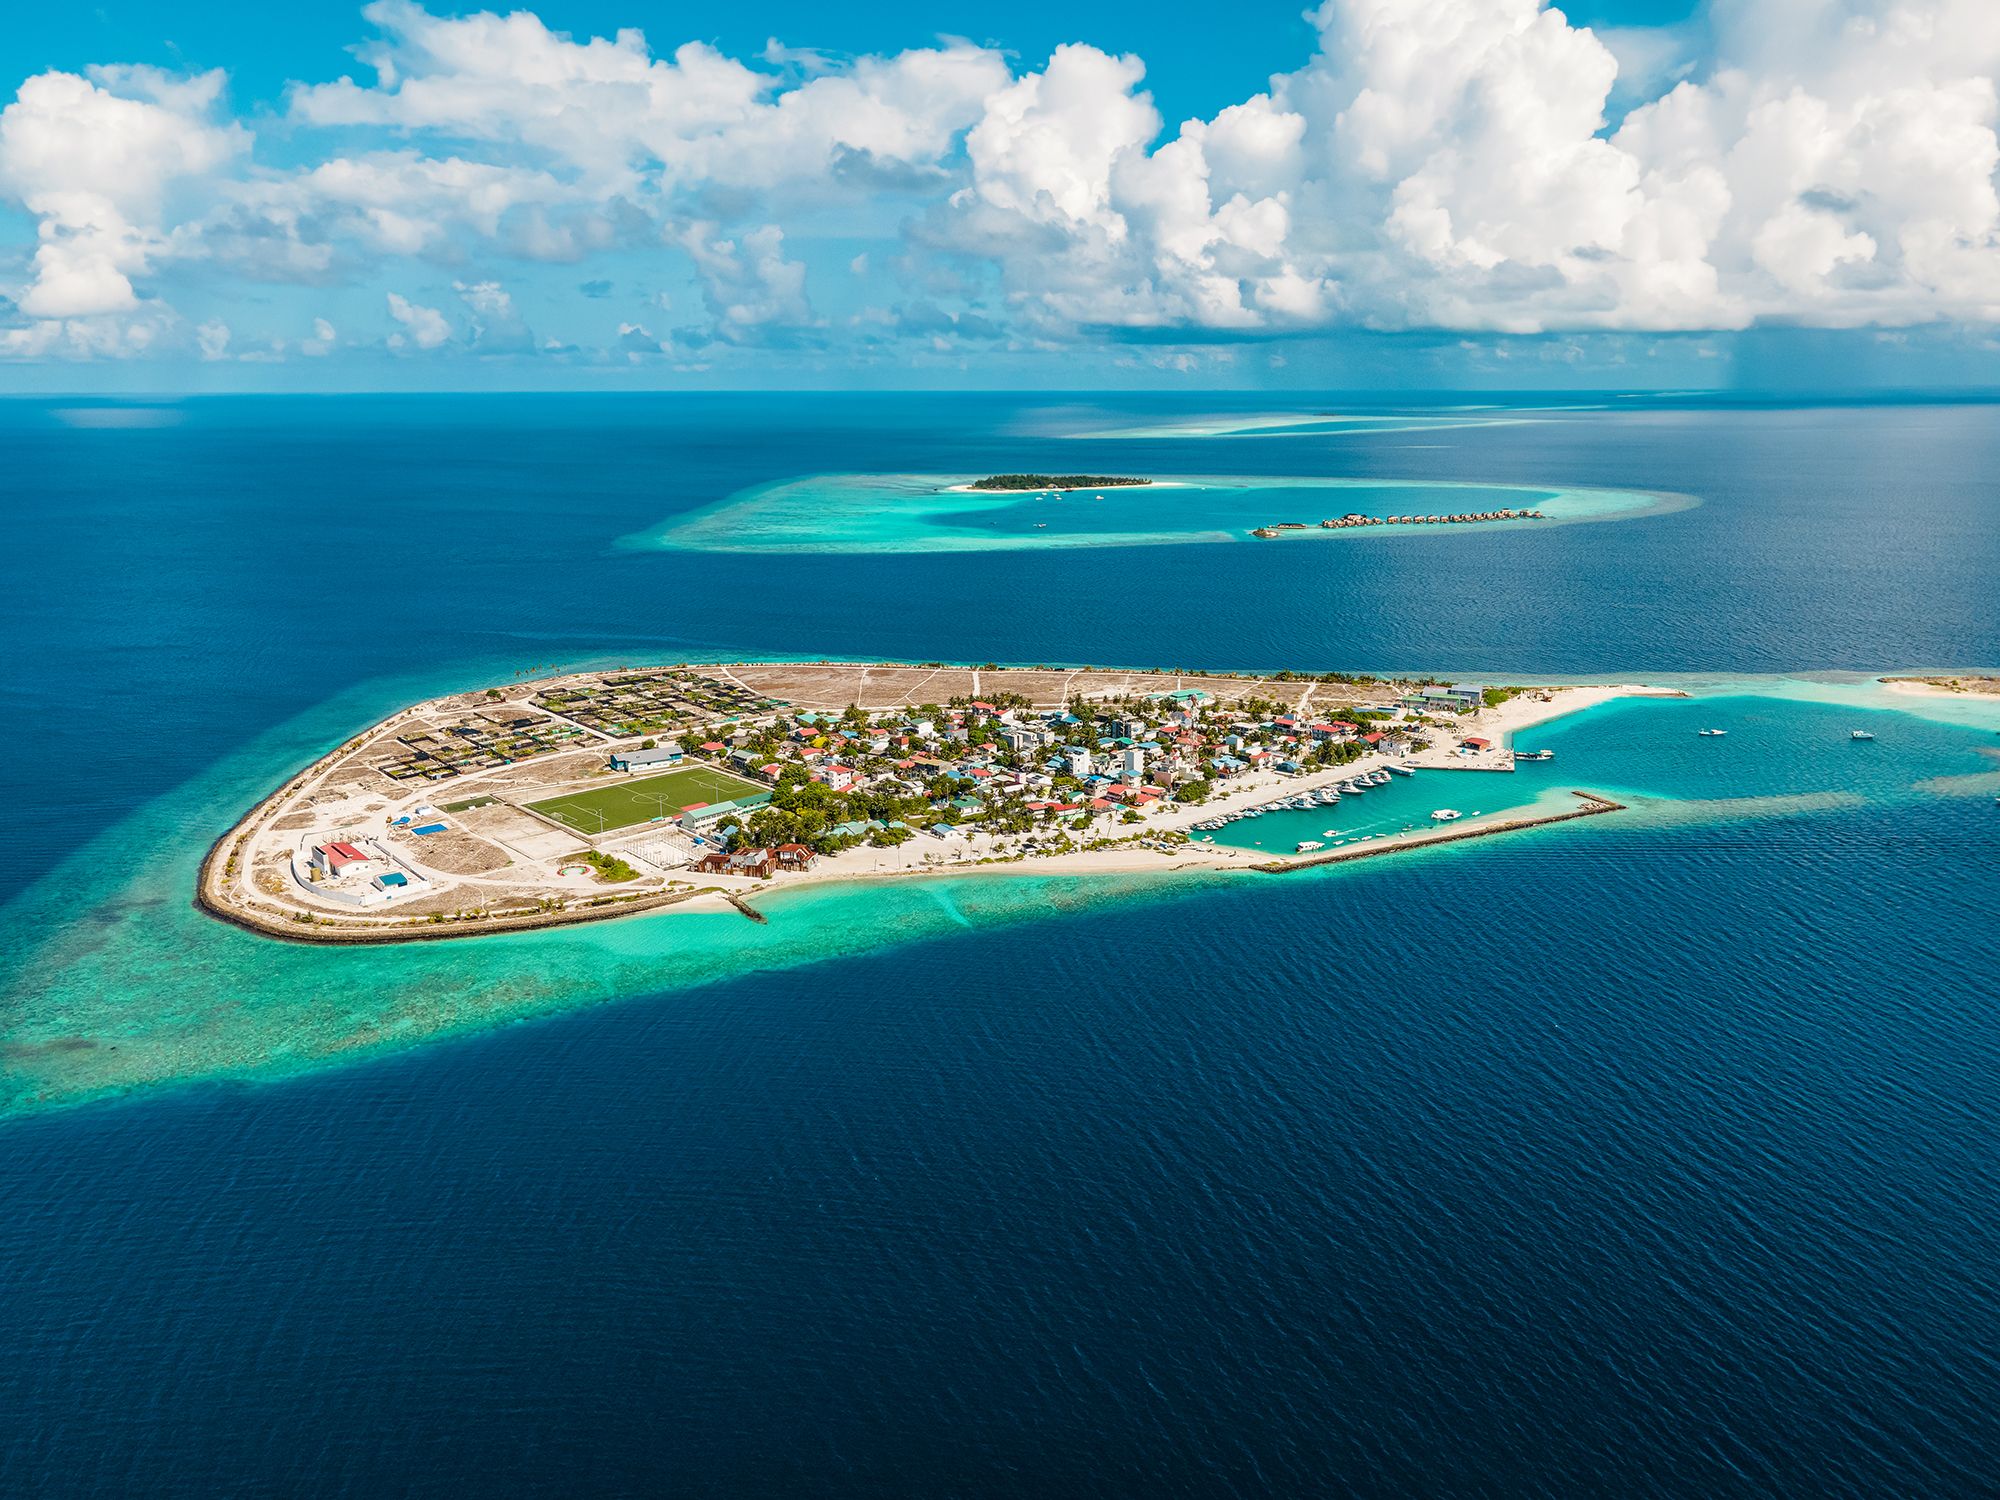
x: 121, y: 984
x: 915, y: 513
x: 1309, y: 424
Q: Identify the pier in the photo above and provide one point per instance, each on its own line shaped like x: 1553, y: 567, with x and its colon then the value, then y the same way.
x: 1593, y: 806
x: 1353, y: 519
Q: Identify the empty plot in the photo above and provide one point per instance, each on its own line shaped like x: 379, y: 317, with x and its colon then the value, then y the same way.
x: 624, y: 803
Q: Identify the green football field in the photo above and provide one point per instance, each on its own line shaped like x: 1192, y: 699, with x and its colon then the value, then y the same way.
x: 623, y: 803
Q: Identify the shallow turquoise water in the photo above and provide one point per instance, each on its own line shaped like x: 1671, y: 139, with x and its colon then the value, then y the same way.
x: 1646, y: 1154
x: 126, y: 984
x: 918, y: 513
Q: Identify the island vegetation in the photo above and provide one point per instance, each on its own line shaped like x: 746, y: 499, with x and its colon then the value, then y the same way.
x: 1053, y: 481
x: 670, y: 783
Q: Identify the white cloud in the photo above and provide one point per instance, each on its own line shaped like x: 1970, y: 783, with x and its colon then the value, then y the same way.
x: 212, y: 338
x: 1446, y: 163
x: 615, y: 114
x: 95, y: 159
x: 426, y: 326
x: 1461, y: 164
x: 753, y: 294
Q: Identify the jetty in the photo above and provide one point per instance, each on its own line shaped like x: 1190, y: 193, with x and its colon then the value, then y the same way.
x: 1593, y: 805
x: 1355, y: 518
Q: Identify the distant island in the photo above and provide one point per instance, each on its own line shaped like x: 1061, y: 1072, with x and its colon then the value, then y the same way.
x: 1052, y: 482
x: 600, y: 794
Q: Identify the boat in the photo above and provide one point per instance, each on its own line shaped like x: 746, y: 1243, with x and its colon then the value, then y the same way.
x: 1711, y: 734
x: 1306, y: 846
x: 1534, y: 755
x: 1446, y: 815
x: 1860, y: 734
x: 1397, y: 768
x: 1378, y: 777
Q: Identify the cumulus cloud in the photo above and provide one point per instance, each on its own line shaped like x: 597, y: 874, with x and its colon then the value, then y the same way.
x: 1475, y: 165
x: 615, y: 114
x: 1448, y: 163
x: 753, y: 294
x: 94, y: 158
x: 424, y: 326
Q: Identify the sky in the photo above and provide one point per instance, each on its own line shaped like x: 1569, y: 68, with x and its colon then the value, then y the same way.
x: 626, y: 194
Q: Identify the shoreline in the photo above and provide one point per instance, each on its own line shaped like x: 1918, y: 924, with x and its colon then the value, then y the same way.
x: 792, y: 515
x: 228, y: 894
x: 1966, y: 686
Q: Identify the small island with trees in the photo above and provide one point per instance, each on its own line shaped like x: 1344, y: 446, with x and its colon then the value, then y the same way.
x: 1052, y: 482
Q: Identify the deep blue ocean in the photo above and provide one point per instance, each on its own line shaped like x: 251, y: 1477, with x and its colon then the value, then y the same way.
x: 1594, y: 1164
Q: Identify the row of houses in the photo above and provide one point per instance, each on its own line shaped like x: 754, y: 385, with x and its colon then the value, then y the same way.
x: 760, y: 863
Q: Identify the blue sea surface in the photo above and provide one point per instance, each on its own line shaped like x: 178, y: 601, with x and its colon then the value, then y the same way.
x: 1651, y: 1154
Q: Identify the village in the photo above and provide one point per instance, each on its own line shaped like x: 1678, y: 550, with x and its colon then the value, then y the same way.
x: 592, y: 794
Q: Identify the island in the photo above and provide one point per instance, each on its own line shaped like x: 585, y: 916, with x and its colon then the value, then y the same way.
x: 1052, y: 482
x: 601, y: 794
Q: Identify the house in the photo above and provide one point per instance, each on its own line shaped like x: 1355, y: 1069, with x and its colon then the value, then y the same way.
x: 390, y: 881
x: 1132, y: 763
x: 761, y: 863
x: 1476, y: 742
x: 336, y: 859
x: 636, y: 760
x: 1021, y: 740
x: 795, y: 857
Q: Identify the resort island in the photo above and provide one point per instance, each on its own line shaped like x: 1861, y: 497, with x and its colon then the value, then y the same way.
x: 601, y: 794
x: 1053, y: 482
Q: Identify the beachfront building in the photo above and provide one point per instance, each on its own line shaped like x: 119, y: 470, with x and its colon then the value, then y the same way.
x: 1132, y: 764
x: 1459, y: 698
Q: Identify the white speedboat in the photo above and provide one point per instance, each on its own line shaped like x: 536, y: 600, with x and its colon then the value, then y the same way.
x: 1306, y: 846
x: 1860, y: 734
x: 1711, y: 734
x: 1396, y: 767
x: 1378, y: 777
x: 1446, y: 815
